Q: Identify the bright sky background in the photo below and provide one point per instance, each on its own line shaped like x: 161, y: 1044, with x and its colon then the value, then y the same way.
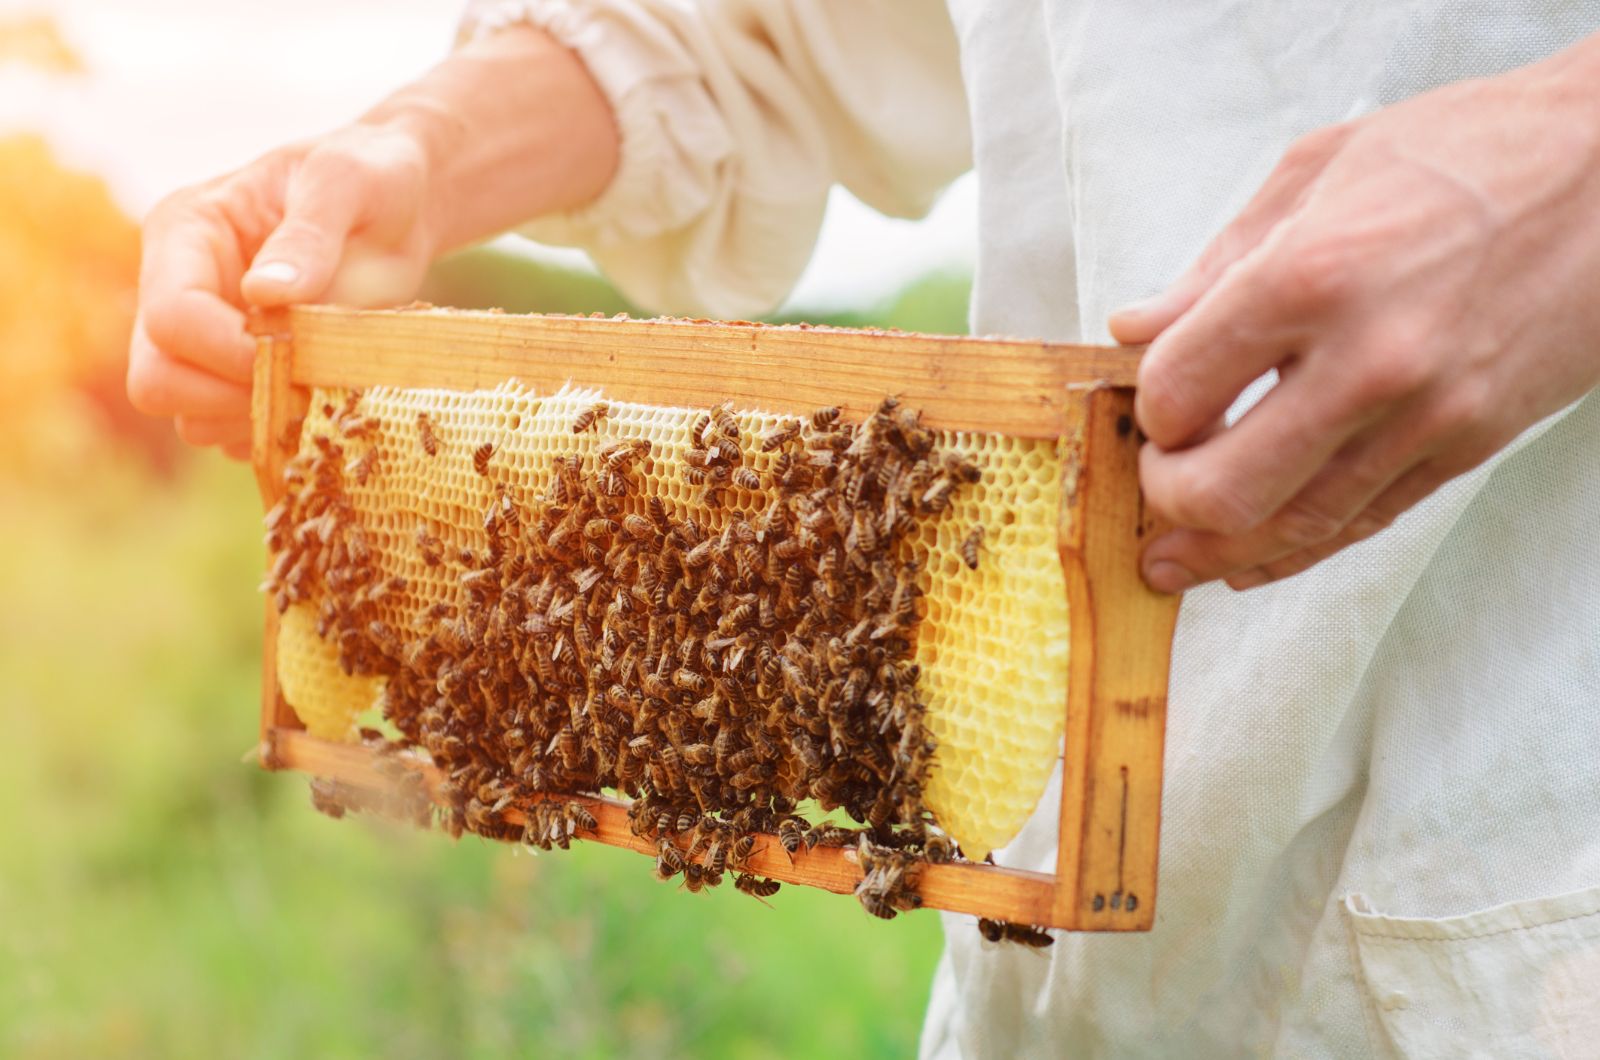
x: 179, y: 90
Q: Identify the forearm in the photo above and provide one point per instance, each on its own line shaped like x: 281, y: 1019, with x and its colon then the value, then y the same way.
x: 513, y: 127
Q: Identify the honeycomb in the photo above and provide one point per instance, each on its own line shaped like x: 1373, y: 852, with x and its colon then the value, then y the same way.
x: 326, y: 699
x: 991, y: 642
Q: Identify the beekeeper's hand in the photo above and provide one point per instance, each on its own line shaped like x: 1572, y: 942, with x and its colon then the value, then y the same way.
x: 508, y: 128
x: 1426, y: 282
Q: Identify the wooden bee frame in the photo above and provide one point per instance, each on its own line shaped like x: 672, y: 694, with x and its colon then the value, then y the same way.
x: 1121, y: 632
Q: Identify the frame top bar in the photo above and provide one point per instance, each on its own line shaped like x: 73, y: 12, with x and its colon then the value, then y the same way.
x: 997, y: 385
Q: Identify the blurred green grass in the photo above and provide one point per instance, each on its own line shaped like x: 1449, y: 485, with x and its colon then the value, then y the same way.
x: 158, y: 897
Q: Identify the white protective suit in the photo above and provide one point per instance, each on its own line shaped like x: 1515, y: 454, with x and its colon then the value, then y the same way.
x: 1382, y: 815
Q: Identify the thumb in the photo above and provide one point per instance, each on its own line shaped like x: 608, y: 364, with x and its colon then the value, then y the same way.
x: 1278, y: 198
x: 299, y: 258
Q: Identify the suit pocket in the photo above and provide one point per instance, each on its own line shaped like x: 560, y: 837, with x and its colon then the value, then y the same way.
x: 1518, y: 980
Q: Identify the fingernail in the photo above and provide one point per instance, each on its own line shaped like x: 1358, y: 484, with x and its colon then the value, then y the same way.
x: 1165, y: 576
x: 276, y: 272
x: 1138, y: 309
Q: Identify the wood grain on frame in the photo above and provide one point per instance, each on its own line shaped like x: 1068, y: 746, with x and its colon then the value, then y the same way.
x: 1117, y: 676
x: 1005, y: 386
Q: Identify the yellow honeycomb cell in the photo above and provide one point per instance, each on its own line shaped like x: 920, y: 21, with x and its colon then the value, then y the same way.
x: 992, y: 642
x: 327, y: 700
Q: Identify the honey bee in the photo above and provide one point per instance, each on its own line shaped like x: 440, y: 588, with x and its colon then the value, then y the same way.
x: 668, y: 865
x: 430, y: 441
x: 826, y: 835
x: 698, y: 432
x: 741, y: 617
x: 969, y: 547
x: 937, y: 496
x: 590, y: 416
x: 641, y: 529
x: 571, y: 750
x: 877, y: 905
x: 746, y: 478
x: 753, y: 777
x: 743, y: 847
x: 756, y: 887
x: 356, y: 426
x: 535, y: 828
x: 600, y: 527
x: 727, y: 425
x: 480, y: 458
x: 581, y: 817
x: 716, y: 862
x: 824, y: 418
x: 1003, y: 931
x: 863, y: 535
x: 779, y: 435
x: 694, y: 877
x: 556, y: 828
x: 327, y: 798
x: 700, y: 555
x: 917, y: 437
x: 806, y: 750
x: 361, y: 468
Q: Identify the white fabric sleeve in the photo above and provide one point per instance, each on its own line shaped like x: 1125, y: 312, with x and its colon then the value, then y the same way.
x: 736, y: 117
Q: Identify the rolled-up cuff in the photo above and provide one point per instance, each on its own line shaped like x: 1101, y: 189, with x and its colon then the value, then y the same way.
x: 671, y: 138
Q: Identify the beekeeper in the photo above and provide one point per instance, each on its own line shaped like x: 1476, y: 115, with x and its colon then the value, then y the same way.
x: 1376, y: 225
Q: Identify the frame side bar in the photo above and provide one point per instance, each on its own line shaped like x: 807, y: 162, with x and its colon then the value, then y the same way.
x: 1117, y: 686
x: 274, y: 403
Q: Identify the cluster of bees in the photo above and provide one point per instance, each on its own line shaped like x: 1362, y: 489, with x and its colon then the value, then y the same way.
x: 720, y: 673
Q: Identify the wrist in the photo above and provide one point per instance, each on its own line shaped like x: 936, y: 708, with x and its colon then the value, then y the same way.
x: 431, y: 135
x: 510, y: 127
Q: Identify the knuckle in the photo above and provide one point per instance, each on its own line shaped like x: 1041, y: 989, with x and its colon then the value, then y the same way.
x: 296, y: 230
x: 147, y: 386
x: 337, y: 160
x: 1389, y: 377
x: 1461, y: 409
x: 165, y: 321
x: 1161, y: 404
x: 1312, y: 148
x: 193, y: 432
x: 176, y: 204
x: 1393, y: 368
x: 1314, y: 275
x: 1372, y: 521
x: 1208, y: 501
x: 1301, y: 523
